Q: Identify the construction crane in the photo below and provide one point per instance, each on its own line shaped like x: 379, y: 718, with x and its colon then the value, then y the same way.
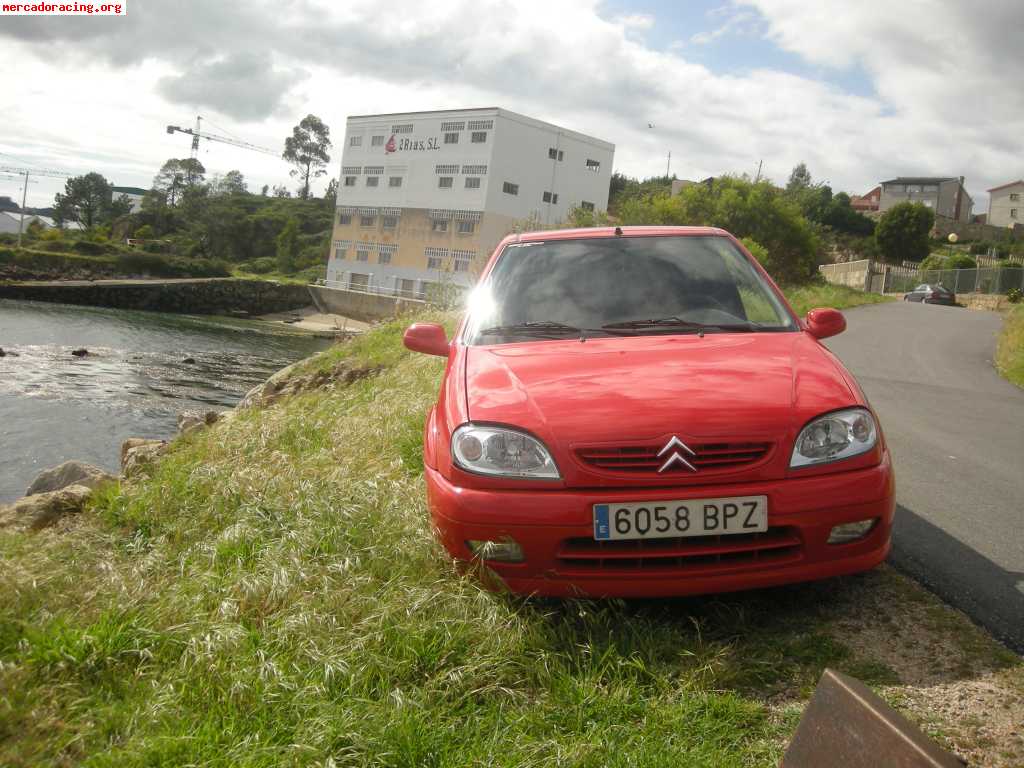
x: 26, y: 172
x: 197, y: 134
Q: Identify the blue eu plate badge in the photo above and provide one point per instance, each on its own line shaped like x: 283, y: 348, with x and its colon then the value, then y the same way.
x: 601, y: 530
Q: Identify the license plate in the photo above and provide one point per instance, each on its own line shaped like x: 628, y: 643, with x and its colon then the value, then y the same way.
x: 688, y: 517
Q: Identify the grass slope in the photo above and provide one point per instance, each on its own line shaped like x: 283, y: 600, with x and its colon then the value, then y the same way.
x: 271, y: 595
x: 1010, y: 350
x: 807, y: 297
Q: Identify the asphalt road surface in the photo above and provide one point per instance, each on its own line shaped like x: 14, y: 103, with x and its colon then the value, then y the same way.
x: 956, y: 432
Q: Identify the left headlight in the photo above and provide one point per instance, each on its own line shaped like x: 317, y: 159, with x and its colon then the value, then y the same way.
x: 501, y: 452
x: 835, y: 436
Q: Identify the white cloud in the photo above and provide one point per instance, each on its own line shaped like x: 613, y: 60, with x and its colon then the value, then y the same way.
x: 944, y: 105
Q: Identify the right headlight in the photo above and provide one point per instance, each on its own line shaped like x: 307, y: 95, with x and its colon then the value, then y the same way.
x: 835, y: 436
x: 502, y: 452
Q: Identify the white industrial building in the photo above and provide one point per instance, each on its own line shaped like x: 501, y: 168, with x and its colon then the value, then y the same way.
x: 424, y: 197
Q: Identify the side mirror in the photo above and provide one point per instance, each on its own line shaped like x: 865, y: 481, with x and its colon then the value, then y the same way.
x: 428, y: 338
x: 822, y: 323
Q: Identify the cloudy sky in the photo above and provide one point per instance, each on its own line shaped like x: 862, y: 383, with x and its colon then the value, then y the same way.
x: 860, y: 91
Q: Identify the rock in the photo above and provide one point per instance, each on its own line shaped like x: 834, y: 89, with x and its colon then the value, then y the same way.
x: 68, y: 473
x: 2, y: 353
x: 189, y: 420
x: 44, y: 509
x: 284, y: 382
x: 80, y: 352
x: 189, y: 361
x: 137, y: 452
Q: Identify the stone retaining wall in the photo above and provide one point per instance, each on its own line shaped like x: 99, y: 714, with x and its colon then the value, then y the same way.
x: 361, y: 306
x: 195, y: 297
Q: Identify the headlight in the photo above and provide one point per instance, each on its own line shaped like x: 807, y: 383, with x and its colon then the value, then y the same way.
x: 835, y: 436
x: 501, y: 452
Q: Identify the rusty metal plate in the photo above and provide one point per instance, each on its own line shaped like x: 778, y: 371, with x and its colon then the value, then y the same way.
x: 846, y: 724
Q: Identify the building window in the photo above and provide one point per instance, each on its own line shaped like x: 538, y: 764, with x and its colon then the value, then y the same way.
x: 478, y: 137
x: 451, y: 138
x: 407, y: 287
x: 372, y: 181
x: 475, y: 170
x: 896, y: 189
x: 344, y: 219
x: 913, y: 189
x: 362, y: 254
x: 459, y: 126
x: 555, y: 154
x: 447, y: 169
x: 395, y: 181
x: 350, y: 181
x: 466, y: 227
x: 376, y: 141
x: 929, y: 187
x: 461, y: 265
x: 384, y: 257
x: 1013, y: 213
x: 1014, y: 197
x: 403, y: 128
x: 355, y: 141
x: 509, y: 188
x: 340, y: 247
x: 480, y: 125
x: 440, y: 225
x: 586, y: 205
x: 546, y: 197
x: 554, y: 198
x: 594, y: 165
x: 444, y: 182
x: 472, y: 182
x: 389, y: 222
x: 355, y: 280
x: 433, y: 262
x: 367, y: 221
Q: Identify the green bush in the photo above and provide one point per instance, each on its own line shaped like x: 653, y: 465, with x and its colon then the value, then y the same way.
x: 261, y: 266
x: 144, y: 232
x: 1014, y: 295
x: 903, y: 232
x: 980, y: 248
x: 960, y: 261
x: 90, y: 248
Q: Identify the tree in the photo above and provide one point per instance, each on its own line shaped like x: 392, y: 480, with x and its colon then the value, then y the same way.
x: 288, y: 247
x: 331, y: 193
x: 799, y: 179
x: 307, y: 150
x: 86, y: 200
x: 175, y: 175
x: 119, y: 206
x: 281, y: 191
x: 902, y: 232
x: 265, y: 189
x: 231, y: 183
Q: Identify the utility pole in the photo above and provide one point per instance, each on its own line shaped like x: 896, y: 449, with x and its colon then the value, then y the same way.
x: 668, y: 163
x: 24, y: 198
x: 758, y: 177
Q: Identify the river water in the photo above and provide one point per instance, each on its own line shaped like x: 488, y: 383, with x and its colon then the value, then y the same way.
x: 55, y: 407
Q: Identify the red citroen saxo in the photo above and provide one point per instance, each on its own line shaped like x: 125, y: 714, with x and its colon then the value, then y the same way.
x: 637, y: 411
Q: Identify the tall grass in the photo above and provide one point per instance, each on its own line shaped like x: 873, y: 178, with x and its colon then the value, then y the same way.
x: 1010, y: 350
x: 272, y: 595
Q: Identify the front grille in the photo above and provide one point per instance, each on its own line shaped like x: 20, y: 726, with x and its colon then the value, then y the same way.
x: 778, y: 544
x: 644, y: 459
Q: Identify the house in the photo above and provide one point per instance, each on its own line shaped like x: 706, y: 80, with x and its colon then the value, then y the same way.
x: 867, y: 203
x: 945, y: 195
x: 134, y: 194
x: 424, y: 197
x: 10, y: 222
x: 678, y: 185
x: 1006, y: 204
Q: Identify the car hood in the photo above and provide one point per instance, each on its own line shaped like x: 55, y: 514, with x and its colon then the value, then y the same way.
x: 733, y: 387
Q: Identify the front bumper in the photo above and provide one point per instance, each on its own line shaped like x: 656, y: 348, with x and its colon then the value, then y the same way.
x: 555, y: 530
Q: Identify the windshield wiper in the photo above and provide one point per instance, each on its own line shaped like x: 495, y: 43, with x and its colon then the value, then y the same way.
x: 545, y: 327
x: 673, y: 322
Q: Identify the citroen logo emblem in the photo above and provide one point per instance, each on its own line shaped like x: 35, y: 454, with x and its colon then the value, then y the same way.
x: 676, y: 448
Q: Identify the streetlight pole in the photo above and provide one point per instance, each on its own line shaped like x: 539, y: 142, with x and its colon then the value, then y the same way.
x: 24, y: 198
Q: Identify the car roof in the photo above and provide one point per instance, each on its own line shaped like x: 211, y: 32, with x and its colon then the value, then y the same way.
x: 631, y: 231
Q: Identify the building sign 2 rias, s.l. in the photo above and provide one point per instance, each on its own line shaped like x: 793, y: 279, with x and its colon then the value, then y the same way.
x: 411, y: 145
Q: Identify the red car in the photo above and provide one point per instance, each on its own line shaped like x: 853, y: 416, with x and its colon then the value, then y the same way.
x: 637, y: 411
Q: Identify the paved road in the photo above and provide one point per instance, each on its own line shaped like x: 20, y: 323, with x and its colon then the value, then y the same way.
x: 956, y: 431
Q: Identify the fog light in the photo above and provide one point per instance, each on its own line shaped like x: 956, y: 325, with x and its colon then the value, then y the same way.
x: 847, y: 532
x: 507, y: 551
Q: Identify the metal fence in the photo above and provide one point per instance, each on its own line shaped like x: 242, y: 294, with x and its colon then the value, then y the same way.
x: 889, y: 279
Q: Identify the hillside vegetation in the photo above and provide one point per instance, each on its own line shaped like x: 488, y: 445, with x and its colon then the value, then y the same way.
x: 270, y: 594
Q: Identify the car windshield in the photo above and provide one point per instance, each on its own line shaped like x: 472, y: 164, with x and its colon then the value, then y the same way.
x: 622, y: 286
